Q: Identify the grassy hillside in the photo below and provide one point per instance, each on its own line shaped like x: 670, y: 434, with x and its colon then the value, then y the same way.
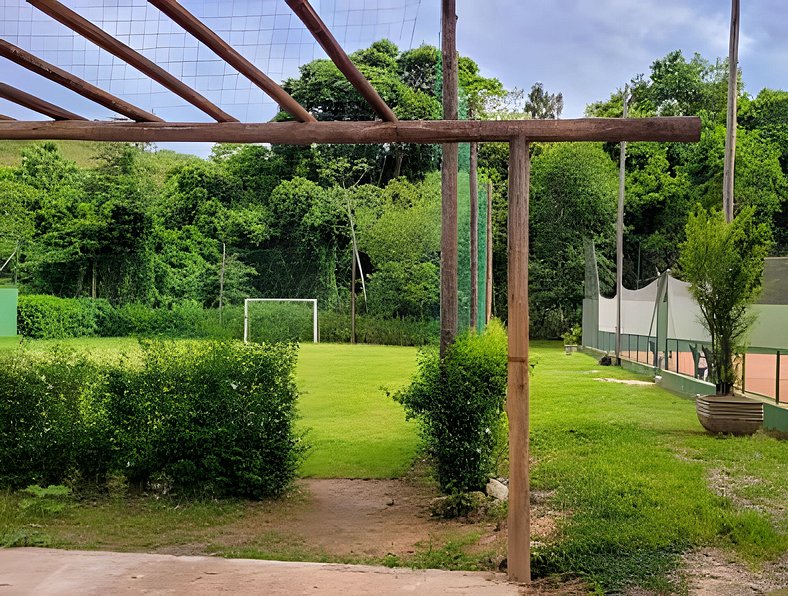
x: 157, y: 164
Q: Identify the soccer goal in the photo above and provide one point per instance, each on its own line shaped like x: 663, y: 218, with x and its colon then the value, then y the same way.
x: 248, y: 301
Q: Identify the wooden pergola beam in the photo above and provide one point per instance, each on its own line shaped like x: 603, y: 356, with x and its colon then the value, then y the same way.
x: 101, y: 38
x: 37, y: 104
x: 226, y: 52
x: 69, y: 81
x: 4, y: 117
x: 683, y: 129
x: 330, y: 45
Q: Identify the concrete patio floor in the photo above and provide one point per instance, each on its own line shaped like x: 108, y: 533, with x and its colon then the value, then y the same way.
x: 43, y: 571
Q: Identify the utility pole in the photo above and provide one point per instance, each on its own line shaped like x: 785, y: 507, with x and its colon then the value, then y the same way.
x: 730, y: 134
x: 620, y: 232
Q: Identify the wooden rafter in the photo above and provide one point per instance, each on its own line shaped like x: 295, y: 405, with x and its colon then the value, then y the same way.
x: 36, y: 104
x: 66, y: 79
x: 330, y: 45
x: 673, y: 129
x: 226, y: 52
x: 4, y: 117
x: 88, y: 30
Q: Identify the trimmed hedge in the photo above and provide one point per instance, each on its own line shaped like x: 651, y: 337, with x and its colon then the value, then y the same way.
x: 201, y: 416
x: 459, y: 404
x: 49, y: 317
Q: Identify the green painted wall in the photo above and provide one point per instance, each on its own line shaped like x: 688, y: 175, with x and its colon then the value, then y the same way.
x: 775, y: 418
x: 8, y: 298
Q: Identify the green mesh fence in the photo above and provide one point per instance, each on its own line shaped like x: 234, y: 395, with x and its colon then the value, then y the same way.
x: 464, y: 252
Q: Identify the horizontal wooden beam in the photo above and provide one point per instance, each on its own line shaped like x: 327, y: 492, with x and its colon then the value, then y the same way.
x: 330, y: 45
x: 676, y: 129
x: 229, y: 54
x: 104, y: 40
x: 37, y: 104
x: 69, y: 81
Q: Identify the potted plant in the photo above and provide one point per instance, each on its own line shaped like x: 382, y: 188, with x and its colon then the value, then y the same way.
x: 572, y: 338
x: 723, y: 263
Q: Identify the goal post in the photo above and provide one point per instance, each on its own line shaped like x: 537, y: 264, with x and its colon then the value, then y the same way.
x: 313, y: 301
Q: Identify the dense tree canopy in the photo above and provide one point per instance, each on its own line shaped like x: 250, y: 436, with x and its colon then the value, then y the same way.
x: 138, y: 225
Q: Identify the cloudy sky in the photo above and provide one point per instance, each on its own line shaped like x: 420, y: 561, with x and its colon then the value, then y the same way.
x: 583, y: 48
x: 588, y: 48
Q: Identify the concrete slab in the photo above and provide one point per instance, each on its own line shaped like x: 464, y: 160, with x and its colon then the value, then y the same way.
x: 48, y: 571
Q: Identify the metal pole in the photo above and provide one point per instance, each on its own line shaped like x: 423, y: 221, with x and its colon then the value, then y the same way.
x: 246, y: 320
x: 777, y: 381
x: 620, y: 233
x: 315, y: 329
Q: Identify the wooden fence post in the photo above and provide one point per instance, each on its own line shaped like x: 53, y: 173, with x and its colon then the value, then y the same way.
x: 519, y: 557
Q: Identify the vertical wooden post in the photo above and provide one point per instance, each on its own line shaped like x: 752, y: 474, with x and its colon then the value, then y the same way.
x: 622, y: 169
x: 474, y: 188
x: 449, y: 179
x: 519, y: 557
x: 489, y: 280
x: 353, y: 298
x: 730, y: 133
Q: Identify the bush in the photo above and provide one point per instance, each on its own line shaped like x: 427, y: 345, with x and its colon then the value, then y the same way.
x: 213, y: 416
x: 49, y: 426
x: 204, y: 416
x: 335, y: 327
x: 459, y: 404
x: 49, y: 317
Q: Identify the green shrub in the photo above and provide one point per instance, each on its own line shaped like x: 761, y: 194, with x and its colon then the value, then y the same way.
x: 280, y: 321
x: 206, y: 416
x: 48, y: 425
x: 215, y: 416
x: 459, y: 404
x: 335, y: 327
x: 50, y: 317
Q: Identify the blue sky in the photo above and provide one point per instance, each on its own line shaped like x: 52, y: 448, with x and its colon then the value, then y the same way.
x: 583, y: 48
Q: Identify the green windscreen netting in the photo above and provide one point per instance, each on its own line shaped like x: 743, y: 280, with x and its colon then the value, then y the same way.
x: 464, y: 250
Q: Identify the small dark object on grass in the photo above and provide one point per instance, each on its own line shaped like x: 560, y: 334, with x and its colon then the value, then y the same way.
x: 605, y: 360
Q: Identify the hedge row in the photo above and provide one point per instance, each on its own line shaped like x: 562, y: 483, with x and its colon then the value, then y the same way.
x: 49, y: 317
x: 206, y: 416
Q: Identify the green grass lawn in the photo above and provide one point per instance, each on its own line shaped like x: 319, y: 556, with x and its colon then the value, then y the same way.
x: 634, y: 477
x: 641, y: 481
x: 354, y: 429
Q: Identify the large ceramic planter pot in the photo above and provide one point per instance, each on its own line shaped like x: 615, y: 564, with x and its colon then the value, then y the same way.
x: 729, y: 414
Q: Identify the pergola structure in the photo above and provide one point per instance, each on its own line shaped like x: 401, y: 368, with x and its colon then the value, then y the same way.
x: 305, y: 130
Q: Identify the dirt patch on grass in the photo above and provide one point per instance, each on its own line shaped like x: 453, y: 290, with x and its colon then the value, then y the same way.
x: 624, y: 381
x: 711, y: 572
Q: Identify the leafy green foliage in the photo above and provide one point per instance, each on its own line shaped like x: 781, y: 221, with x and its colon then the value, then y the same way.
x: 723, y: 263
x: 459, y: 403
x: 215, y: 417
x: 573, y: 196
x: 49, y: 317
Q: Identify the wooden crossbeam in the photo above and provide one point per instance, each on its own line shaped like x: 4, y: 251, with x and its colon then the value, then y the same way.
x: 226, y: 52
x: 88, y: 30
x: 683, y: 129
x: 4, y: 117
x: 66, y: 79
x: 36, y: 104
x: 330, y: 45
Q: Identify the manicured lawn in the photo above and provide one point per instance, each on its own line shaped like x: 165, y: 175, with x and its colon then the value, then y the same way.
x: 354, y: 428
x: 641, y: 481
